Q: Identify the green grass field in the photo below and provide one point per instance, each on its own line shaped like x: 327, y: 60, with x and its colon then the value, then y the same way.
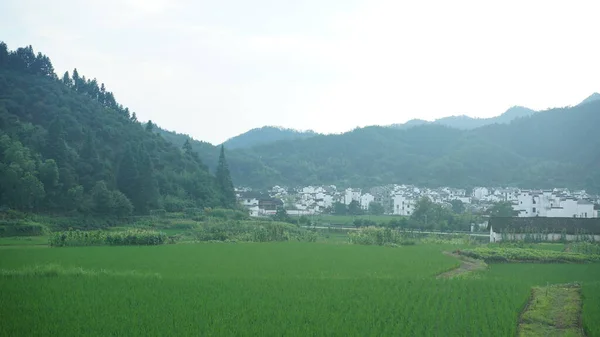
x: 269, y: 289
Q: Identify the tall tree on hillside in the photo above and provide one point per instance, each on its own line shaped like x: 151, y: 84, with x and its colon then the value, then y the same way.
x: 224, y: 181
x: 147, y: 187
x: 90, y: 167
x: 67, y: 80
x: 128, y: 175
x: 76, y: 79
x: 149, y: 126
x: 3, y: 55
x: 56, y: 147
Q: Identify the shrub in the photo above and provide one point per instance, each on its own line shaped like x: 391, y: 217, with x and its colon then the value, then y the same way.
x: 492, y: 255
x: 380, y: 237
x: 99, y: 238
x: 252, y: 231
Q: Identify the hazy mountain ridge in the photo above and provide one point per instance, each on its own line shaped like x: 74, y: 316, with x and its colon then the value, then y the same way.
x: 266, y: 134
x: 464, y: 122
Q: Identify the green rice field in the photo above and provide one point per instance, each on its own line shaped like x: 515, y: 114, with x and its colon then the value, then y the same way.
x: 269, y: 289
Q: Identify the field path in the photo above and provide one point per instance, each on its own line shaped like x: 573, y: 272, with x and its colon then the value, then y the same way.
x: 553, y: 311
x: 467, y: 265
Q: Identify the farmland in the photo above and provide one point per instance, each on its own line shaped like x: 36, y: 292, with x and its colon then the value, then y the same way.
x: 269, y: 289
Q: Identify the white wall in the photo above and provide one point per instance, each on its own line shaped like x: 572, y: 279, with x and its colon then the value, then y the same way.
x: 403, y: 205
x: 365, y: 200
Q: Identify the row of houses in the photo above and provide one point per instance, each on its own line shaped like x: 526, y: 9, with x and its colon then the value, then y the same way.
x: 402, y: 200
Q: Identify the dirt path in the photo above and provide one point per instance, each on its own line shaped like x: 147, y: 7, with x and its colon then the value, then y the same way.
x: 467, y: 265
x: 553, y: 311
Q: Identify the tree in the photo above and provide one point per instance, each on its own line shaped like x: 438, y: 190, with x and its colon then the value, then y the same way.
x: 102, y: 199
x: 3, y: 55
x: 67, y: 80
x: 56, y: 147
x: 354, y: 208
x: 339, y: 208
x: 458, y: 206
x: 149, y: 126
x: 376, y: 208
x: 502, y: 209
x: 121, y: 205
x: 281, y: 215
x: 224, y: 182
x: 128, y: 175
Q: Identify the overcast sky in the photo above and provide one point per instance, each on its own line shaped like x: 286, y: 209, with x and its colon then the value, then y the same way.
x: 215, y: 69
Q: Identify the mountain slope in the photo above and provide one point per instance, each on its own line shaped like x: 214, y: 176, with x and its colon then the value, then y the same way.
x: 557, y: 147
x: 467, y: 123
x: 264, y: 135
x: 593, y: 97
x: 66, y: 146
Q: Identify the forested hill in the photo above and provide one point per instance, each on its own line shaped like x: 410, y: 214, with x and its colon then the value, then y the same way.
x: 557, y: 147
x: 468, y: 123
x: 264, y: 135
x: 67, y: 147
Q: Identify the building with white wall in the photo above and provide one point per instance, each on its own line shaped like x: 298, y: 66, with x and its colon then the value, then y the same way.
x: 365, y: 200
x: 404, y: 205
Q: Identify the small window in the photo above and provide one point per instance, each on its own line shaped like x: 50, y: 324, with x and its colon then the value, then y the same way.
x: 534, y: 210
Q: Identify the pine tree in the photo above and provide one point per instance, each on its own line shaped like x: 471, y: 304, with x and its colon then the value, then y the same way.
x: 224, y: 181
x: 128, y: 175
x: 149, y: 126
x: 67, y: 80
x: 90, y: 167
x: 56, y: 147
x: 76, y: 79
x: 3, y: 55
x: 147, y: 186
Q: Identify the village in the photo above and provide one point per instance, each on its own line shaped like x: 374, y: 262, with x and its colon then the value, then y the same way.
x: 402, y: 199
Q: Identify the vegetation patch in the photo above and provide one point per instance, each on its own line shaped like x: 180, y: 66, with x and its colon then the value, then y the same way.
x: 54, y: 270
x: 500, y: 255
x: 251, y: 231
x: 380, y: 237
x: 552, y: 311
x: 21, y: 228
x: 131, y: 237
x: 467, y: 265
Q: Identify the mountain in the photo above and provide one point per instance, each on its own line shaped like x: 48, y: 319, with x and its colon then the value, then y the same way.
x: 67, y: 147
x: 593, y: 97
x: 264, y: 135
x: 557, y: 147
x: 464, y: 122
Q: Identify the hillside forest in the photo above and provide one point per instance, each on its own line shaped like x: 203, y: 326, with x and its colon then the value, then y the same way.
x: 67, y: 147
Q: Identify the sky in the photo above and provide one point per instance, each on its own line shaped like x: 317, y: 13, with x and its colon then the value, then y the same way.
x: 215, y: 69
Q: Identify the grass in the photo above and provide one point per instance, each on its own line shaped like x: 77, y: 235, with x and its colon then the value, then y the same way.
x: 23, y: 240
x: 266, y: 289
x: 552, y: 311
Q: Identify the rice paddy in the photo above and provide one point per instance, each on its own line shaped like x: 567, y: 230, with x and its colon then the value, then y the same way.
x: 269, y: 289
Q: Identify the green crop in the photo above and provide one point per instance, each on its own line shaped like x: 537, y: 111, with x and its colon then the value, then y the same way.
x: 266, y: 289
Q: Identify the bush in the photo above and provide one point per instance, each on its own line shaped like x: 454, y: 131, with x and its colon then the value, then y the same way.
x: 585, y: 248
x: 380, y: 237
x: 99, y: 238
x: 252, y: 231
x: 491, y: 255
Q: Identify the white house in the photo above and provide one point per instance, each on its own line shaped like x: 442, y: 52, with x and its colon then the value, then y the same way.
x: 547, y: 204
x: 351, y: 195
x: 480, y: 192
x: 365, y: 200
x: 403, y: 205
